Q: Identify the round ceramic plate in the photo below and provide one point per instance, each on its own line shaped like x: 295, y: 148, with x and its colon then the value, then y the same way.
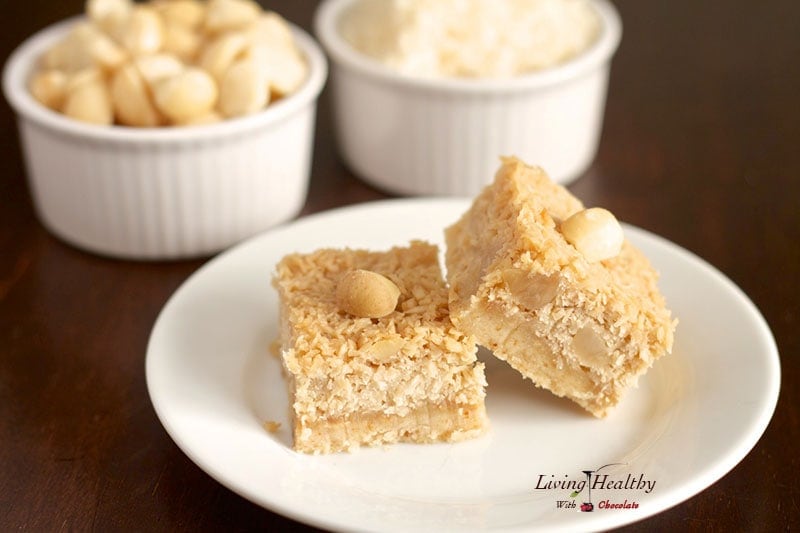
x: 543, y: 464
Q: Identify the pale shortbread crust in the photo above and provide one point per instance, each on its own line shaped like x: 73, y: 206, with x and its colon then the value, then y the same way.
x: 409, y: 376
x: 582, y: 330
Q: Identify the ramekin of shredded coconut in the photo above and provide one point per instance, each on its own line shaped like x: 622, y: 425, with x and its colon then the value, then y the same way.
x: 428, y: 94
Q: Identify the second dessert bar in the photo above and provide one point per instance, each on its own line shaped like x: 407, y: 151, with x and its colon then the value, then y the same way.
x: 581, y: 327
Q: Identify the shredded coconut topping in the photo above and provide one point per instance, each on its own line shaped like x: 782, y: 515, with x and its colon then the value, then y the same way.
x: 470, y: 38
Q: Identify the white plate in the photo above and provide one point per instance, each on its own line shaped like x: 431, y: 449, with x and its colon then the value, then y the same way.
x: 695, y: 415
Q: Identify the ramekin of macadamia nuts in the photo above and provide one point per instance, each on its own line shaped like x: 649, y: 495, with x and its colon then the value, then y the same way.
x: 169, y: 128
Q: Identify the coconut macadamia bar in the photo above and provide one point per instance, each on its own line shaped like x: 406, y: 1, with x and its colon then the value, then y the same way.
x: 578, y: 312
x: 356, y: 378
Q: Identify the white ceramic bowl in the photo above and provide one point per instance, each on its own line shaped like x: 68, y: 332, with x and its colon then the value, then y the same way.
x: 160, y: 193
x: 423, y: 136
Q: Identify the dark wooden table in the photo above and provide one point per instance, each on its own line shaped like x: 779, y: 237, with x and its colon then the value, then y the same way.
x: 700, y: 145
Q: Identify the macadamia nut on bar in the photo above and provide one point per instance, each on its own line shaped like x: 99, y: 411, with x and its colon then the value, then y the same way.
x: 555, y: 290
x: 370, y: 353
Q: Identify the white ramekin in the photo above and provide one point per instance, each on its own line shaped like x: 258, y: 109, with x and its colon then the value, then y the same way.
x: 162, y: 193
x: 421, y: 136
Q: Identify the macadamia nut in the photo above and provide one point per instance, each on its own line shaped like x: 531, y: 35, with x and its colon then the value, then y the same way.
x: 595, y: 233
x: 106, y: 53
x: 366, y: 294
x: 76, y: 51
x: 142, y: 32
x: 244, y: 88
x: 221, y: 53
x: 224, y: 15
x: 181, y: 41
x: 186, y: 96
x: 48, y: 87
x: 154, y: 67
x: 133, y: 105
x: 185, y: 13
x: 285, y: 69
x: 108, y: 14
x: 87, y: 98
